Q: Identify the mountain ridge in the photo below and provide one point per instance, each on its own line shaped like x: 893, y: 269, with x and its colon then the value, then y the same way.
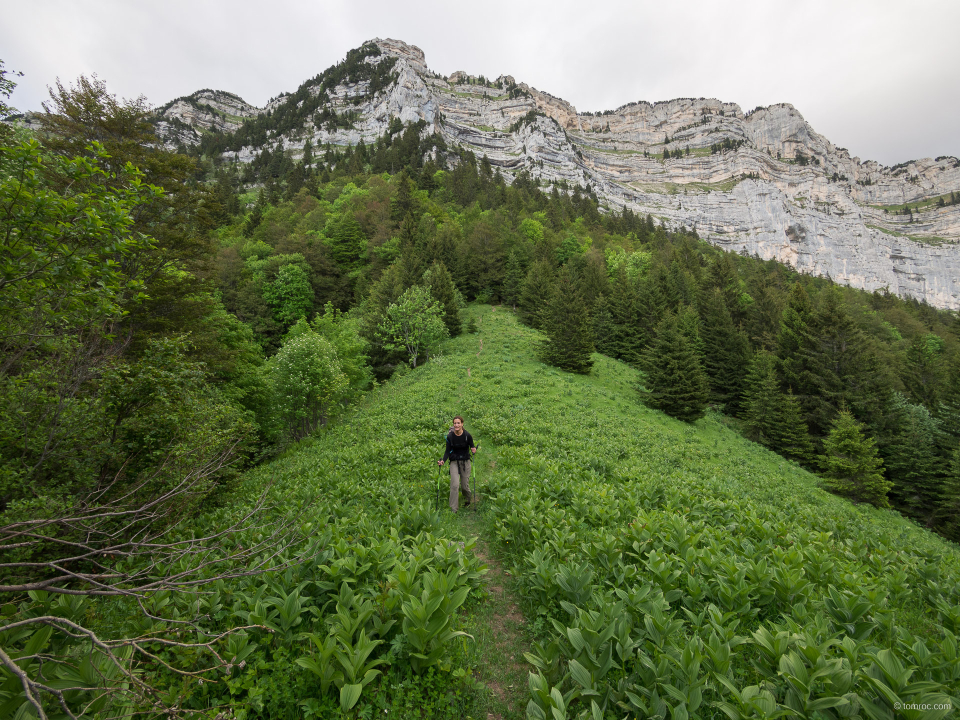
x: 762, y: 182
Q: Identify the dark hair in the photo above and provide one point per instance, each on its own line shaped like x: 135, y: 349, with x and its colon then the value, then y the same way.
x: 458, y: 417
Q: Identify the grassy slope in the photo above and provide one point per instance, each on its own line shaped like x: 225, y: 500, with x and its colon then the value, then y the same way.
x: 606, y: 463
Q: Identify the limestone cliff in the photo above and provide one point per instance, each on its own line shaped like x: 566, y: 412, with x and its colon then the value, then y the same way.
x: 762, y: 182
x: 183, y: 120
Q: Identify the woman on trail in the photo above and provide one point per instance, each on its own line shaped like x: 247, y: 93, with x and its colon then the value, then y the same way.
x: 459, y: 446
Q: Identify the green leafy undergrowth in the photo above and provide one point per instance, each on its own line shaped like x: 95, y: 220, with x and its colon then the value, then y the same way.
x: 680, y: 570
x: 667, y: 569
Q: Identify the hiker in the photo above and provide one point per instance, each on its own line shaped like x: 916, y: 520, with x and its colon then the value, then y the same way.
x: 459, y: 446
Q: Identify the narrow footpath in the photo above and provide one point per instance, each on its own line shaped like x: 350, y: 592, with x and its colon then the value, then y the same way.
x: 498, y: 629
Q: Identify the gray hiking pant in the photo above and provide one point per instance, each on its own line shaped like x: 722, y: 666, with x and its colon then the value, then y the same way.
x: 458, y: 481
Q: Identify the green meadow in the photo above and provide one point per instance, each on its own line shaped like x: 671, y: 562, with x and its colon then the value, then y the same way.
x: 661, y: 569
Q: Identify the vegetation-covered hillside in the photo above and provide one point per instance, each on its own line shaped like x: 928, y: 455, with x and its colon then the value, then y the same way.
x: 204, y: 477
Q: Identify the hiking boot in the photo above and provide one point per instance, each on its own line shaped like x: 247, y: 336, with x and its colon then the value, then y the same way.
x: 467, y: 499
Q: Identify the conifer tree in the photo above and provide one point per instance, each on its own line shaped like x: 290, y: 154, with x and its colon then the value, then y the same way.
x: 537, y: 293
x: 346, y: 241
x: 403, y: 203
x: 674, y: 378
x: 797, y: 316
x: 444, y: 291
x: 688, y: 322
x: 947, y: 516
x: 723, y: 276
x: 513, y: 279
x: 619, y: 321
x: 603, y: 328
x: 773, y: 418
x: 566, y: 323
x: 924, y: 371
x: 307, y: 158
x: 837, y: 367
x: 726, y: 351
x: 850, y: 463
x: 651, y: 306
x: 907, y: 437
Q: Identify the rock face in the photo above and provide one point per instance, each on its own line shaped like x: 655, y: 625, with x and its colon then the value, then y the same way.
x: 762, y: 182
x: 183, y: 120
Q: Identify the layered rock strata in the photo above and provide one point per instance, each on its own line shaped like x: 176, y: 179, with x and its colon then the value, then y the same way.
x: 762, y: 182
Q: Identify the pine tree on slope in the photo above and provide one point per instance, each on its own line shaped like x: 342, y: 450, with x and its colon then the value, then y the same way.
x: 674, y: 378
x: 566, y: 323
x: 726, y: 350
x: 773, y: 418
x: 850, y: 463
x: 947, y: 516
x: 536, y: 294
x: 444, y: 291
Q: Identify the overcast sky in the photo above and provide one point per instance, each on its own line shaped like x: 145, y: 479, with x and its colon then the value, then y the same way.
x: 879, y: 77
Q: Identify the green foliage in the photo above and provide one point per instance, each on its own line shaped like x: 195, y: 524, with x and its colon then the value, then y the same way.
x: 289, y: 294
x: 537, y: 293
x: 569, y: 248
x: 774, y: 418
x: 674, y: 380
x: 635, y: 264
x: 342, y: 331
x: 948, y: 512
x: 443, y: 290
x: 427, y: 620
x: 726, y: 352
x: 566, y: 324
x: 414, y: 324
x: 850, y: 463
x: 307, y: 381
x: 346, y: 240
x: 673, y: 569
x: 907, y: 446
x: 532, y: 230
x: 65, y: 253
x: 924, y: 376
x: 838, y: 366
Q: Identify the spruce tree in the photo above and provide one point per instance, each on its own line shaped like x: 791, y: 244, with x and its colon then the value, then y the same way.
x: 797, y: 316
x: 924, y: 372
x: 838, y: 367
x: 723, y: 276
x: 620, y: 328
x: 513, y: 279
x: 603, y: 328
x: 850, y: 463
x: 566, y: 323
x: 674, y: 378
x: 438, y: 279
x: 688, y: 322
x: 346, y: 241
x: 726, y: 350
x: 907, y: 437
x: 773, y: 418
x: 651, y: 306
x: 947, y: 516
x: 537, y: 293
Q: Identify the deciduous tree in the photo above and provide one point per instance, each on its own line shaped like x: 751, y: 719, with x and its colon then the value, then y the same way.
x: 414, y: 324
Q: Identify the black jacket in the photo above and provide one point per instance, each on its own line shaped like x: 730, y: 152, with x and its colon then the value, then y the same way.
x: 458, y: 448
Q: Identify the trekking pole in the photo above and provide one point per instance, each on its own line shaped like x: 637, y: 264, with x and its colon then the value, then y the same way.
x: 476, y: 483
x: 439, y: 479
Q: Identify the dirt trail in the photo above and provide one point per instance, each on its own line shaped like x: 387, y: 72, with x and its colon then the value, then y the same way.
x: 499, y: 632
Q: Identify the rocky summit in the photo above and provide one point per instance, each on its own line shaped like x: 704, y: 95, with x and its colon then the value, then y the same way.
x: 762, y: 182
